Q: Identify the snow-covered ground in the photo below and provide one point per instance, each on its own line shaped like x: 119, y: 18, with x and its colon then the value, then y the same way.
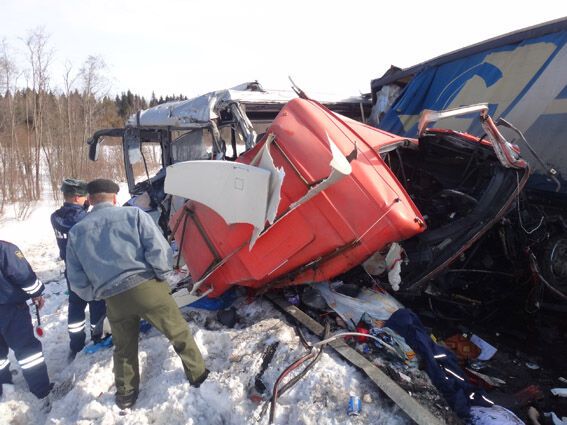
x: 233, y: 355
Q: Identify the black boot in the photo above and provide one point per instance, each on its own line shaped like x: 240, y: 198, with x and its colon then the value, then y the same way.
x: 124, y: 401
x: 201, y: 379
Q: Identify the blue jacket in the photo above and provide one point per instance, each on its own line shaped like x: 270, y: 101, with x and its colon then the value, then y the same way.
x: 440, y: 364
x: 18, y: 281
x: 115, y: 249
x: 62, y: 220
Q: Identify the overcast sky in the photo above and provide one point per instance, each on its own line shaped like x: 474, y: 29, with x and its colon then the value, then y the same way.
x: 191, y: 47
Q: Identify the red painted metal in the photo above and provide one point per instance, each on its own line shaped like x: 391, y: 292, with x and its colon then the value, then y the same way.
x: 329, y: 234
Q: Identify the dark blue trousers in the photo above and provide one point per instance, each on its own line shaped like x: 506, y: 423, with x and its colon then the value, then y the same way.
x: 16, y: 332
x: 76, y: 321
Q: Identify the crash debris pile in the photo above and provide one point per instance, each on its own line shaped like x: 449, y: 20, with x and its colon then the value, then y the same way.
x: 451, y: 377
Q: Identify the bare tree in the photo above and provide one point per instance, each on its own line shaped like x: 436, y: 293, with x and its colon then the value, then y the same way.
x: 44, y: 131
x: 6, y: 68
x: 39, y: 56
x: 69, y: 81
x: 8, y: 138
x: 94, y: 87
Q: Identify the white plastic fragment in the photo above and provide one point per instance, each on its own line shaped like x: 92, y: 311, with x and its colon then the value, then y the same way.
x: 376, y: 264
x: 493, y: 415
x: 237, y: 192
x: 560, y: 392
x: 532, y: 365
x: 394, y: 265
x: 487, y: 350
x: 555, y: 419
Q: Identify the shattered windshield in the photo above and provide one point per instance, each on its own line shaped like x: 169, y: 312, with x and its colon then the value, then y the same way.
x: 191, y: 145
x: 149, y: 163
x: 198, y: 144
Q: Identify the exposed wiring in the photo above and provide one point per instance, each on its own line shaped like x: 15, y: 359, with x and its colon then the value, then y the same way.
x: 342, y: 335
x: 480, y: 271
x: 528, y: 232
x: 286, y: 372
x: 277, y: 392
x: 302, y: 338
x: 551, y: 172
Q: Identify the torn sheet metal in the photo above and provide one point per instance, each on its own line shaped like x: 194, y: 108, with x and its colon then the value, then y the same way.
x: 428, y: 116
x: 340, y: 167
x: 507, y: 153
x: 199, y: 111
x: 237, y: 192
x: 264, y: 160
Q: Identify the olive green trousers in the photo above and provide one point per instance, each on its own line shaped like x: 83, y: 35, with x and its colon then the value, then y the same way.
x: 151, y: 301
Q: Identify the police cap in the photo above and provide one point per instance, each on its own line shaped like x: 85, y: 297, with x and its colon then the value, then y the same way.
x: 74, y: 187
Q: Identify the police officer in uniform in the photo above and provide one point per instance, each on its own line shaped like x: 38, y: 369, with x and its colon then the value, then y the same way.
x: 18, y: 283
x: 73, y: 210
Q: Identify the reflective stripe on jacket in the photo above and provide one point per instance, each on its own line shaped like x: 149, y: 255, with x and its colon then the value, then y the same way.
x: 62, y: 220
x: 18, y: 281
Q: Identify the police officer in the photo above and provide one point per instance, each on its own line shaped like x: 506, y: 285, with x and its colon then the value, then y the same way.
x: 18, y: 283
x: 73, y: 210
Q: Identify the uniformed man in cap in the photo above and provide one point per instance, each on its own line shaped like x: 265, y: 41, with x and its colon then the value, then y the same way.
x: 120, y: 255
x: 74, y: 209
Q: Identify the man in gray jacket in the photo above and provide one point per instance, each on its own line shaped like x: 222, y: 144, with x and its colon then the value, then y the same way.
x: 119, y: 255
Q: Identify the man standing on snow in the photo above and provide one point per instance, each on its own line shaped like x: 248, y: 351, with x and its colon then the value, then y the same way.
x: 18, y: 283
x: 62, y: 220
x: 119, y: 255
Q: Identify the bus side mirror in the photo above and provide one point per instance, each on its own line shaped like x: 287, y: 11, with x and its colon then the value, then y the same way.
x: 94, y: 147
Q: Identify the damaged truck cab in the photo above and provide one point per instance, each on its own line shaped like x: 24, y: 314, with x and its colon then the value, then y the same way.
x: 344, y: 191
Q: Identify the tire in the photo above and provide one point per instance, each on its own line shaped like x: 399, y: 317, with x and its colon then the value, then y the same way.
x: 554, y: 262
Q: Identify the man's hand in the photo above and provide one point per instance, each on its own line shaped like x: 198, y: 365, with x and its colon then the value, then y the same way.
x: 39, y: 301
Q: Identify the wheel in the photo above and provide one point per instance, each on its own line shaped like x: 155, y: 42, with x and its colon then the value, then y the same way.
x: 554, y: 262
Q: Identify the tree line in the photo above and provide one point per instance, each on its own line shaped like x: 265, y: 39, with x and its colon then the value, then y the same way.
x: 44, y: 129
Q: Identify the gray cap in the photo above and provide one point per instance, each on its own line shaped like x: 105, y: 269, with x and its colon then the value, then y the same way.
x: 74, y: 187
x: 102, y: 186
